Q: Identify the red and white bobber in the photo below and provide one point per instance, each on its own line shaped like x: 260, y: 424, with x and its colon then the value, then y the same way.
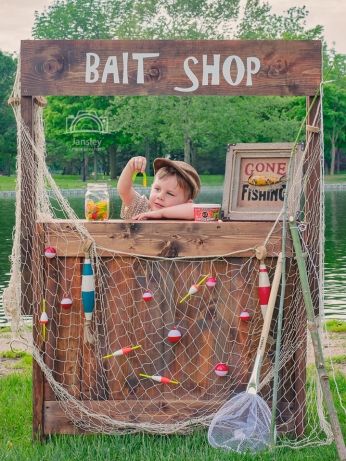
x: 174, y: 336
x: 50, y: 252
x: 244, y: 316
x: 211, y: 282
x: 221, y: 369
x: 263, y: 287
x: 66, y: 302
x: 193, y: 289
x: 147, y: 296
x: 44, y: 318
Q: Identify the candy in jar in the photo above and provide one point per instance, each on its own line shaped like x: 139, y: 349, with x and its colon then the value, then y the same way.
x: 97, y: 202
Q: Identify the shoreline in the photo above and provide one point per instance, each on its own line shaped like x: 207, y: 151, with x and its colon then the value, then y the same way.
x: 80, y: 192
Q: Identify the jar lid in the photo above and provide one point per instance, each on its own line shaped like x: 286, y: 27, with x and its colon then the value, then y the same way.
x: 97, y: 185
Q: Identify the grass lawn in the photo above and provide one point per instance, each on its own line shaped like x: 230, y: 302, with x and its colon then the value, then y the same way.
x: 16, y: 435
x: 8, y: 183
x: 74, y: 182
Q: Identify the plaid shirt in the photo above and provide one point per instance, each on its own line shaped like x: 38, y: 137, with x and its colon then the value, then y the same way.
x: 140, y: 204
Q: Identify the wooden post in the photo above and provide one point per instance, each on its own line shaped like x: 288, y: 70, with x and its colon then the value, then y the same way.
x: 311, y: 238
x: 313, y: 194
x: 39, y: 340
x: 28, y: 206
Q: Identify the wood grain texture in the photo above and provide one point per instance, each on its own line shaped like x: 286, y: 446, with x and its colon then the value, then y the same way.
x: 57, y: 67
x: 152, y: 238
x: 57, y: 422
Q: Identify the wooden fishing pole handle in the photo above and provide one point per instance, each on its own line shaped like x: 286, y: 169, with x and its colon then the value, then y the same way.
x: 253, y: 383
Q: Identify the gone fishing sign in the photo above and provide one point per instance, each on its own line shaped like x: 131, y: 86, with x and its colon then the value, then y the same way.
x: 256, y: 180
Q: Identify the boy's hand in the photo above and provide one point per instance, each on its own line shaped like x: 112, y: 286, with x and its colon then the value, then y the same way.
x: 138, y: 164
x: 157, y: 214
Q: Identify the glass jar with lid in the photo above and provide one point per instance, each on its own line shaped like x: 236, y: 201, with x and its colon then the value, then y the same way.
x: 97, y: 202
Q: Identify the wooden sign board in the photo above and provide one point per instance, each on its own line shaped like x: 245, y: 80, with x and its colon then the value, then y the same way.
x: 180, y: 67
x: 256, y: 178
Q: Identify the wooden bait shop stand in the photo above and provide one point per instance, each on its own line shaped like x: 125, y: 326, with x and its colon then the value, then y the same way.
x: 68, y: 68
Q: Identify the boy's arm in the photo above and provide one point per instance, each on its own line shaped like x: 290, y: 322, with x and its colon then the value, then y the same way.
x: 124, y: 186
x: 183, y: 211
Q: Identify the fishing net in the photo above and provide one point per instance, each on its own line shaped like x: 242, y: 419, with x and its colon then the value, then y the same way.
x: 242, y: 424
x: 126, y: 369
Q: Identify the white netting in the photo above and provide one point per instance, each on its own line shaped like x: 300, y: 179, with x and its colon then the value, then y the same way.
x: 109, y: 395
x: 242, y: 424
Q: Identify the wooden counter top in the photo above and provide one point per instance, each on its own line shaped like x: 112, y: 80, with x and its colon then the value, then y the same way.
x: 165, y: 238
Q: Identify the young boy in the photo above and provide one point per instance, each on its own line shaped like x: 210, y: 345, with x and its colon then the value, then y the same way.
x: 175, y: 185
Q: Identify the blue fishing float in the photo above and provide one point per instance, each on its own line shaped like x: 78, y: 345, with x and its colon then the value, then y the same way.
x: 88, y: 297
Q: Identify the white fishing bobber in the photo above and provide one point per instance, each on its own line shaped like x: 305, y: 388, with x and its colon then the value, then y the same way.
x: 50, y: 252
x: 193, y: 289
x: 66, y: 303
x: 211, y: 282
x: 173, y: 336
x: 245, y: 316
x: 147, y: 296
x: 221, y: 369
x: 44, y: 318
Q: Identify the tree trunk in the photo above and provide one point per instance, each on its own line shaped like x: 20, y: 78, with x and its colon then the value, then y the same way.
x: 84, y: 167
x: 332, y: 162
x: 332, y: 154
x: 187, y: 149
x: 338, y: 158
x: 193, y: 154
x: 95, y: 164
x: 112, y: 150
x: 147, y: 156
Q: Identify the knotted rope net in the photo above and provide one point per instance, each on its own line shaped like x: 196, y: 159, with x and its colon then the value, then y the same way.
x: 162, y: 384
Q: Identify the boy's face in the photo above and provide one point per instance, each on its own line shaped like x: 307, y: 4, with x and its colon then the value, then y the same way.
x: 166, y: 192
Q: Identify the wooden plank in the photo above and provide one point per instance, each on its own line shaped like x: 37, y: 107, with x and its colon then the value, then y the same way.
x: 28, y: 207
x: 156, y: 238
x: 51, y: 278
x: 148, y: 324
x: 313, y: 234
x: 179, y: 67
x: 69, y: 325
x: 38, y: 340
x: 118, y: 313
x: 154, y: 411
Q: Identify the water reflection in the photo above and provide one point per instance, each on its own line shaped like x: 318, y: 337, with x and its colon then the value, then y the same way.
x: 335, y: 254
x: 335, y: 244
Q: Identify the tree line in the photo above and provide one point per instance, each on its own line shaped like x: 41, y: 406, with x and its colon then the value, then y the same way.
x: 197, y: 129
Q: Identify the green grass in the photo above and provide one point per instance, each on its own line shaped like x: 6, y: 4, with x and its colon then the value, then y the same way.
x: 16, y: 437
x: 74, y: 182
x: 335, y: 179
x: 8, y: 183
x: 335, y: 326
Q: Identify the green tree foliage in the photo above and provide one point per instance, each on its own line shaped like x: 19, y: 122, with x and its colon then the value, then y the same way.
x: 7, y: 121
x: 334, y: 109
x: 195, y: 128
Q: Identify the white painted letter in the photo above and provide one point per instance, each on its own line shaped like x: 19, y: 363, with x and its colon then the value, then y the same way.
x: 91, y: 68
x: 191, y: 76
x: 125, y: 60
x: 213, y: 69
x: 111, y: 67
x: 252, y: 70
x: 226, y: 70
x: 140, y: 58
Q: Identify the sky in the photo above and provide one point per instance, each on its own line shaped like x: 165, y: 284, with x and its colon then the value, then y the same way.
x: 17, y: 18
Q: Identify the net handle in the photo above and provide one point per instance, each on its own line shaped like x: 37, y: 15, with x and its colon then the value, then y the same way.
x: 252, y: 387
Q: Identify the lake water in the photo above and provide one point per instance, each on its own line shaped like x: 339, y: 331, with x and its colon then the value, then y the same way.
x: 335, y: 244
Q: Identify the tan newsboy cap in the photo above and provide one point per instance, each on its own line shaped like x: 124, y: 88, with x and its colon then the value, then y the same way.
x: 184, y: 169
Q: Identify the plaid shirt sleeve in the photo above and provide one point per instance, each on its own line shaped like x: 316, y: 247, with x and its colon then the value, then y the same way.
x: 140, y: 204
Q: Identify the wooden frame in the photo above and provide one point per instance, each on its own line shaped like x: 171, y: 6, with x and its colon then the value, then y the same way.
x: 59, y: 67
x: 256, y: 179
